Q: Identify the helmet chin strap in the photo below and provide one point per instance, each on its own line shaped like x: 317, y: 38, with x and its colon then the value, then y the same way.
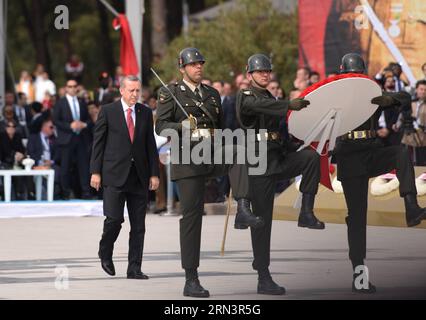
x: 257, y: 83
x: 191, y: 80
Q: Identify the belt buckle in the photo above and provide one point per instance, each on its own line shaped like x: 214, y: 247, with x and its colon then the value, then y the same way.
x: 274, y: 135
x: 359, y: 134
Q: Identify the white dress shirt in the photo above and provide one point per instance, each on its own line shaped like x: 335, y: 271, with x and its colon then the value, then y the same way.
x: 125, y: 107
x: 71, y: 102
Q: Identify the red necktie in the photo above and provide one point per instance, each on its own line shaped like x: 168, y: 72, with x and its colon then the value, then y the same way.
x: 130, y: 124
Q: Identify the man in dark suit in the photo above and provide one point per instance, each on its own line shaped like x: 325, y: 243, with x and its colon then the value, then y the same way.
x: 71, y: 119
x: 23, y: 112
x: 125, y: 161
x: 42, y: 149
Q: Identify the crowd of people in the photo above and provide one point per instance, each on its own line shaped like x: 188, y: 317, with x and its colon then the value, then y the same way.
x: 54, y: 125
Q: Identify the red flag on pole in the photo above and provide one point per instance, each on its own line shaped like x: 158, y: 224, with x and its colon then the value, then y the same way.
x: 128, y: 60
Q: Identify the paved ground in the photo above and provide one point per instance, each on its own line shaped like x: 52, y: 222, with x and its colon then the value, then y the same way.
x: 310, y: 264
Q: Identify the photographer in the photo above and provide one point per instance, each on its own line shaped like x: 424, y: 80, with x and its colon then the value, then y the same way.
x: 412, y: 122
x: 388, y: 116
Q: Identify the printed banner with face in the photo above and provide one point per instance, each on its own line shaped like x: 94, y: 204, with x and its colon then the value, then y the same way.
x: 382, y: 31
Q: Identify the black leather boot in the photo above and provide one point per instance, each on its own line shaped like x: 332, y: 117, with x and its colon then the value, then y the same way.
x: 193, y: 287
x: 414, y: 214
x: 268, y: 286
x: 245, y: 218
x: 307, y: 218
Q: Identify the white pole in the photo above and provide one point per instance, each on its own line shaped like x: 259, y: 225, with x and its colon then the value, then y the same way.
x: 185, y: 18
x: 135, y: 10
x: 381, y: 31
x: 170, y: 194
x: 2, y: 53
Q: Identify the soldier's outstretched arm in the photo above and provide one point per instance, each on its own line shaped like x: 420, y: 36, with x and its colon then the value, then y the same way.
x: 252, y: 105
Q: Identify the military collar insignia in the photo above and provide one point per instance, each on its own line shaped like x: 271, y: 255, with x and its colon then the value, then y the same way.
x: 182, y: 88
x: 247, y: 92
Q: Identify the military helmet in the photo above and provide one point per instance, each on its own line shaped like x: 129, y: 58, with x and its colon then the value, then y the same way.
x: 352, y: 62
x: 190, y: 55
x: 259, y: 62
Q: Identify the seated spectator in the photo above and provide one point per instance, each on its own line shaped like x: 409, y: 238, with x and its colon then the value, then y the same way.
x: 38, y: 116
x: 12, y: 154
x: 8, y: 116
x: 42, y: 149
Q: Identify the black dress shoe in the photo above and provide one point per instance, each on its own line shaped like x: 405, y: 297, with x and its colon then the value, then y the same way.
x: 108, y: 266
x: 245, y: 218
x: 160, y: 210
x: 268, y: 286
x: 137, y: 275
x: 371, y: 288
x: 194, y: 289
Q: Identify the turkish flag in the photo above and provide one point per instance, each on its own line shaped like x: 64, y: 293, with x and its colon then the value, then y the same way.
x: 128, y: 60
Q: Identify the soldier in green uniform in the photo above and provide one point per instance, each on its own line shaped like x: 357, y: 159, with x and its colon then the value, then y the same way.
x: 361, y: 155
x: 201, y: 115
x: 258, y: 109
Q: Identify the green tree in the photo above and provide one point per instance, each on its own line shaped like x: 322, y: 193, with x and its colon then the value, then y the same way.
x: 227, y: 42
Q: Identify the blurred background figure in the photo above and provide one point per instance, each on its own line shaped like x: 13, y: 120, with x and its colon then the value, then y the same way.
x: 74, y: 68
x: 26, y: 86
x: 71, y: 119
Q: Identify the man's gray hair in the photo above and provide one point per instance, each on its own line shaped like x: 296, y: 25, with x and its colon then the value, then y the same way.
x: 129, y: 77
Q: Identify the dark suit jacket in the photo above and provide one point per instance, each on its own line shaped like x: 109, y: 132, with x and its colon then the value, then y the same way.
x: 62, y: 118
x: 28, y: 115
x: 35, y: 148
x: 10, y: 147
x: 112, y: 151
x: 229, y: 114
